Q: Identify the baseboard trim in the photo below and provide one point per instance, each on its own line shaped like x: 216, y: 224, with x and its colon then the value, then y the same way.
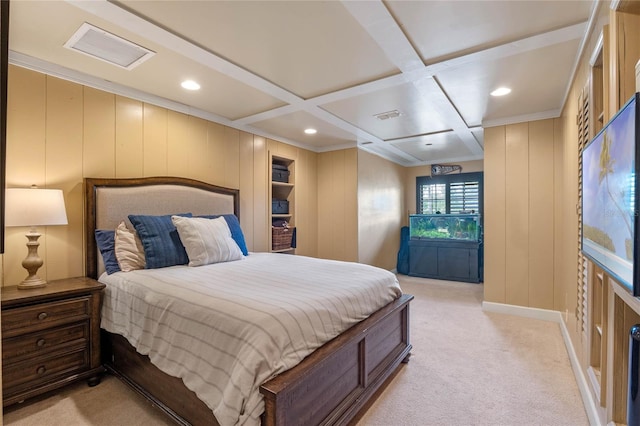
x: 522, y: 311
x: 590, y: 405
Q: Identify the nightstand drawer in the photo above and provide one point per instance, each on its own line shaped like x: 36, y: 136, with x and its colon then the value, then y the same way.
x: 50, y: 337
x: 31, y: 318
x: 17, y: 348
x: 33, y: 372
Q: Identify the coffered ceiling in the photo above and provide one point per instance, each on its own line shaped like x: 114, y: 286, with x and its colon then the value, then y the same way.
x: 407, y: 80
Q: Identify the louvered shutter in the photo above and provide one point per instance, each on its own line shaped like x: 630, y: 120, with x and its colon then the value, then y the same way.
x: 583, y: 139
x: 464, y: 196
x: 451, y: 194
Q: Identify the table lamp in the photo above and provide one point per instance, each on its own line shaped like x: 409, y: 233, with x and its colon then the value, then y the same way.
x: 34, y: 207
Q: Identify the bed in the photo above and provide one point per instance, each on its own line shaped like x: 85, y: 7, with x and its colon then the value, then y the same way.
x: 331, y: 384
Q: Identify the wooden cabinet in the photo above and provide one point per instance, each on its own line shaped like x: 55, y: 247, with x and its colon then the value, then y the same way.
x: 283, y: 205
x: 50, y: 337
x: 446, y: 260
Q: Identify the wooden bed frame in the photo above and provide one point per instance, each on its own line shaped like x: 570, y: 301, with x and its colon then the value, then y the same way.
x: 329, y: 387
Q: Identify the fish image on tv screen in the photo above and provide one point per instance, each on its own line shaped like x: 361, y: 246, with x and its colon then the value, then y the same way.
x: 609, y: 196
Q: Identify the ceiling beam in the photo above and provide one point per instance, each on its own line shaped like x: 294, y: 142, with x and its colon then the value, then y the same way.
x: 512, y: 48
x: 508, y: 49
x: 376, y: 19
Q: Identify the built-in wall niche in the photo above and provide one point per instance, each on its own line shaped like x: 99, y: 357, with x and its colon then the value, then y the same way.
x: 626, y: 314
x: 597, y: 280
x: 624, y: 52
x: 606, y: 310
x: 282, y: 194
x: 629, y: 6
x: 621, y: 52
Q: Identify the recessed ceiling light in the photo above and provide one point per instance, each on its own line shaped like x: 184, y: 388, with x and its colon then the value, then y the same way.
x: 190, y: 85
x: 501, y: 91
x: 310, y: 131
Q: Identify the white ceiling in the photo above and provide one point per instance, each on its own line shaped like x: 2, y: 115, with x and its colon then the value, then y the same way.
x: 274, y: 68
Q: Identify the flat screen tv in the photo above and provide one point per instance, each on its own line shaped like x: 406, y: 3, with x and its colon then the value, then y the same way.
x: 609, y: 202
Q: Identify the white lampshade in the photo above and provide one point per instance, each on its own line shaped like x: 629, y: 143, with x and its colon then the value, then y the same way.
x: 34, y: 207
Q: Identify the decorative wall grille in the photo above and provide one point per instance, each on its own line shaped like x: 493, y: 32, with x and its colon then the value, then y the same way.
x: 583, y: 139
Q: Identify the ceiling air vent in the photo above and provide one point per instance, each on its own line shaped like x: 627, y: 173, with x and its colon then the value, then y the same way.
x: 387, y: 115
x: 108, y: 47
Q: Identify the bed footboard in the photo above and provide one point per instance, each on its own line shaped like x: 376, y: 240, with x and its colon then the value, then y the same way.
x: 333, y: 384
x: 329, y: 387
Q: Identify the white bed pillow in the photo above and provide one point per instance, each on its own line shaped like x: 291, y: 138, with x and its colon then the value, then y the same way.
x: 128, y: 249
x: 206, y: 240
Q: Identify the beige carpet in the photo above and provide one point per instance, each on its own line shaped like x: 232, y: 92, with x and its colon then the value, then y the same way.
x: 468, y: 368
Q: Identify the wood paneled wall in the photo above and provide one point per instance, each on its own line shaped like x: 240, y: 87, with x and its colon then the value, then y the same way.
x: 381, y: 210
x: 495, y: 214
x: 519, y: 214
x: 254, y: 202
x: 60, y: 132
x: 338, y: 205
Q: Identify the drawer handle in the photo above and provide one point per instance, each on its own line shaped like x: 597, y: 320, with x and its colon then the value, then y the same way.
x: 41, y: 370
x: 42, y: 316
x: 40, y: 343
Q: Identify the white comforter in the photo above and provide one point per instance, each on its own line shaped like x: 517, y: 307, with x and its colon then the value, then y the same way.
x: 227, y: 328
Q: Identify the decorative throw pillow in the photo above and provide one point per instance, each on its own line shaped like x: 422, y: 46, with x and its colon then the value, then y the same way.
x: 128, y: 249
x: 160, y: 239
x: 207, y: 240
x: 105, y: 239
x: 236, y: 230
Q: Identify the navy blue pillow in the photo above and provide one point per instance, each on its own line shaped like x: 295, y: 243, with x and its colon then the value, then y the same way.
x: 236, y: 230
x: 106, y: 244
x: 160, y: 240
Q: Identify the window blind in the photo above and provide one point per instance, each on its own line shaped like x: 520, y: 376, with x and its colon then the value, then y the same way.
x: 449, y: 194
x: 464, y: 196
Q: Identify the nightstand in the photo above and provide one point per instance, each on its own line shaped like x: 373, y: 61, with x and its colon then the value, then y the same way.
x: 50, y: 337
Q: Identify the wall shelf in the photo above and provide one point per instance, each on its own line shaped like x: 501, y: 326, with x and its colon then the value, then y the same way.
x: 281, y: 191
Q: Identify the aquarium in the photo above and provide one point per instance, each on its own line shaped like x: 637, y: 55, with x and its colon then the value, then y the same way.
x: 609, y: 202
x: 456, y: 227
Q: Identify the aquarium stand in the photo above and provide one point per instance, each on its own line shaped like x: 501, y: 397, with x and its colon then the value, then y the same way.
x: 446, y: 259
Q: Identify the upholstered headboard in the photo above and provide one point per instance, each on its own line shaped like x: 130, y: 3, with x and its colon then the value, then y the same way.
x: 109, y: 201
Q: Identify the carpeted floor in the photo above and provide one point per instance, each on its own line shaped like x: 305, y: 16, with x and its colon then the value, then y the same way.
x: 467, y: 367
